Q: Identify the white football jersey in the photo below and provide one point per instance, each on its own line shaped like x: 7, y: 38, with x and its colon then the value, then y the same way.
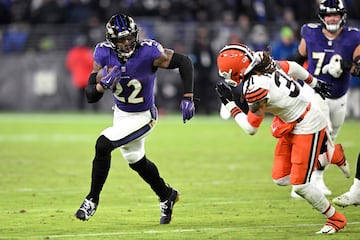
x: 286, y: 99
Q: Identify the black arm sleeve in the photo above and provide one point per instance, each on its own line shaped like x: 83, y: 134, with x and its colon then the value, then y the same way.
x: 186, y: 70
x: 90, y: 91
x: 297, y: 58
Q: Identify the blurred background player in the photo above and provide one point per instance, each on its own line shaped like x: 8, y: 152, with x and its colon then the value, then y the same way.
x: 352, y: 197
x: 131, y: 80
x: 300, y: 126
x: 332, y: 51
x: 79, y: 61
x: 286, y: 45
x: 203, y: 59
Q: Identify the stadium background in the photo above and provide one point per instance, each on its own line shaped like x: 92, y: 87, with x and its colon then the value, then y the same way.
x: 35, y: 36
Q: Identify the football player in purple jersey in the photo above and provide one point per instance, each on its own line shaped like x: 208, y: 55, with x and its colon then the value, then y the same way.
x: 332, y: 52
x: 129, y: 71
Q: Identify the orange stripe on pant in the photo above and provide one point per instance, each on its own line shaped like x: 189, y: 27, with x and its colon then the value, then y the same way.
x: 296, y: 155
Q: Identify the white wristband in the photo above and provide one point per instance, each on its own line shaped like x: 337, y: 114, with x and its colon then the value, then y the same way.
x: 230, y: 105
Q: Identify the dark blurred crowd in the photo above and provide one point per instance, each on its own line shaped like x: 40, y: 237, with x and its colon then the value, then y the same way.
x: 88, y: 11
x: 54, y: 24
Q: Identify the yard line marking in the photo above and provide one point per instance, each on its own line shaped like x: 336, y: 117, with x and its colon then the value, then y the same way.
x: 179, y: 231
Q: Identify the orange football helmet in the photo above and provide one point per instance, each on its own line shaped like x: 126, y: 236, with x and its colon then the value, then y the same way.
x: 234, y: 62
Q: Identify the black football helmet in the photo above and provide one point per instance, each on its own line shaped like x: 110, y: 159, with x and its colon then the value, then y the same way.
x: 122, y: 29
x: 328, y: 7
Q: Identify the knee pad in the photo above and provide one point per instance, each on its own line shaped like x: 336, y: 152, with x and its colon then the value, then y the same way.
x: 103, y: 146
x: 284, y: 181
x: 133, y: 152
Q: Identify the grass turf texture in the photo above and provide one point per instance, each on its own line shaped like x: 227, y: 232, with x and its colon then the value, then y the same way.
x: 224, y: 177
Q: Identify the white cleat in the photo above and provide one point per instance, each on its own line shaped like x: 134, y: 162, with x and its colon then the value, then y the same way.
x: 326, y: 229
x: 86, y: 210
x: 346, y: 200
x: 333, y: 224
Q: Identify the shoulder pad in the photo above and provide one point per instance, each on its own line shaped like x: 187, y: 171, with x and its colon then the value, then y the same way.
x: 351, y: 29
x: 313, y: 25
x: 104, y: 44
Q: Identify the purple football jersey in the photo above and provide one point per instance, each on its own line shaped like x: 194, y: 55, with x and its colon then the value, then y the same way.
x: 134, y: 91
x: 320, y: 50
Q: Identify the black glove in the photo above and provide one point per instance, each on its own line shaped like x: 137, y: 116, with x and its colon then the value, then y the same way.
x: 355, y: 70
x: 224, y: 92
x: 239, y: 98
x: 323, y: 88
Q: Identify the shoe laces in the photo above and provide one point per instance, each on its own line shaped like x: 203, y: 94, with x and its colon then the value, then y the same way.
x: 165, y: 207
x: 88, y: 205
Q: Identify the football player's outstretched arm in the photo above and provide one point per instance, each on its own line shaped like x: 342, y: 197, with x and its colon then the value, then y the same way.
x: 172, y: 60
x: 298, y: 72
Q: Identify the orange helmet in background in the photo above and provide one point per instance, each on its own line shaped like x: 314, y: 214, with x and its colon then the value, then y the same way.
x: 234, y: 61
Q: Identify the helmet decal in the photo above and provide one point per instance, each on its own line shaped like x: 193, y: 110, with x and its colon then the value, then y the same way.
x: 234, y: 62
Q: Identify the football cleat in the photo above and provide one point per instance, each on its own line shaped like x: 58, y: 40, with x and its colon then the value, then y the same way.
x: 346, y: 200
x: 166, y: 207
x: 86, y: 210
x: 326, y: 229
x: 333, y: 224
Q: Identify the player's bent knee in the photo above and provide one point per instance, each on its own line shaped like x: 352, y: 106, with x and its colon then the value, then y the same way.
x: 284, y: 181
x: 137, y: 165
x: 103, y: 146
x: 132, y: 153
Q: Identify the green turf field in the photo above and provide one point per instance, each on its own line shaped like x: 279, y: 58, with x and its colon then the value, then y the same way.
x: 224, y: 177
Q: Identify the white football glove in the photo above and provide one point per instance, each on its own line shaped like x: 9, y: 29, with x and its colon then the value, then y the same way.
x: 334, y: 66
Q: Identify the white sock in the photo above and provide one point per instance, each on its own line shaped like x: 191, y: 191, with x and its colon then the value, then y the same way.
x: 316, y: 198
x: 324, y: 160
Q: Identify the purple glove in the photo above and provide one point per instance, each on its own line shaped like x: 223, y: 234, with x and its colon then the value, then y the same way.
x: 188, y: 108
x: 108, y: 78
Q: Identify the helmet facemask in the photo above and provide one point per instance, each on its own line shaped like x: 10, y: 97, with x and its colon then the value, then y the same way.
x: 234, y: 62
x: 122, y: 34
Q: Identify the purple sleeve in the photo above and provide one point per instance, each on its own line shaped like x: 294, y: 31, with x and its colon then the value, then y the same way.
x: 105, y: 55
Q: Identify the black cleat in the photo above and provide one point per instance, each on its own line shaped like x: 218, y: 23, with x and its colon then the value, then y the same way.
x: 86, y: 210
x: 166, y: 207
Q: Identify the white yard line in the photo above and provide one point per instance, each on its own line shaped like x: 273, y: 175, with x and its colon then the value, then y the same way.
x: 180, y: 230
